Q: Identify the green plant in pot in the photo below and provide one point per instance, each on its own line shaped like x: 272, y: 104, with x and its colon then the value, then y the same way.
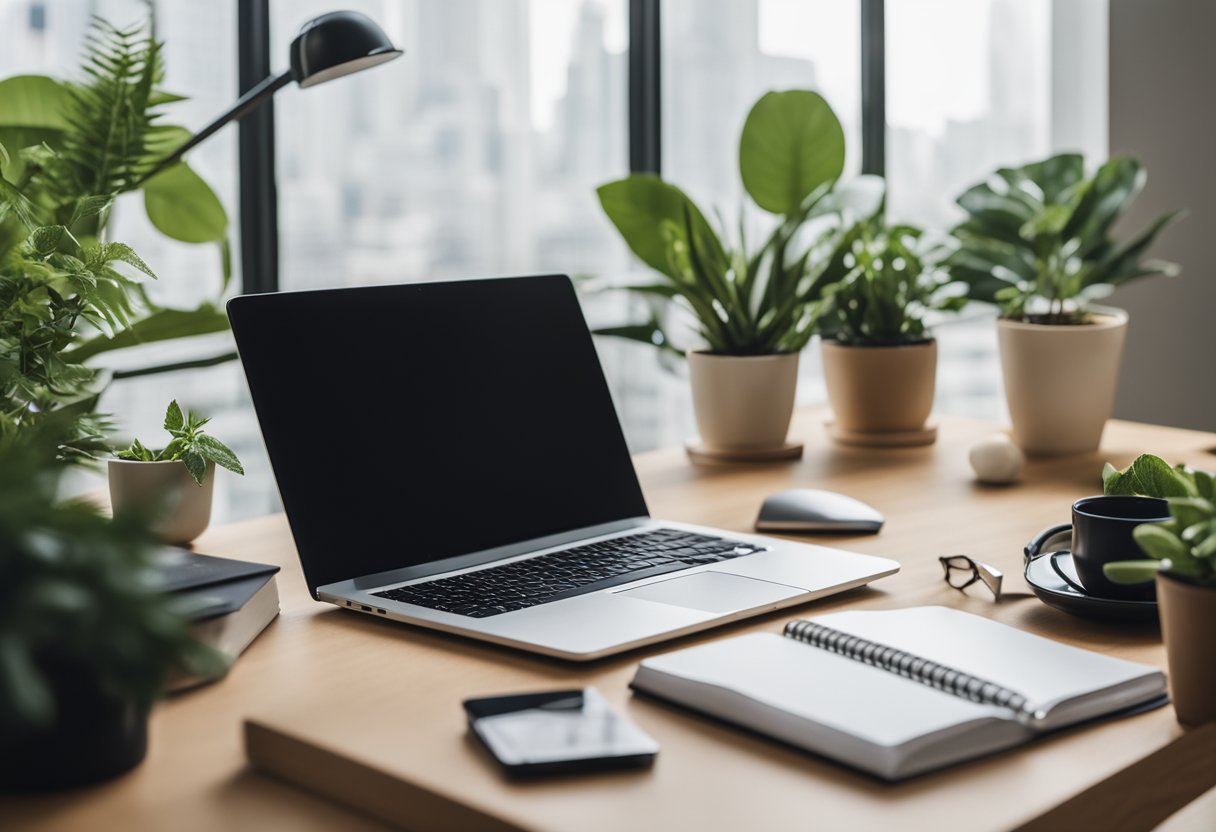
x: 1182, y: 558
x: 86, y: 639
x: 750, y: 303
x: 879, y: 357
x: 173, y: 485
x: 1038, y: 243
x: 68, y: 151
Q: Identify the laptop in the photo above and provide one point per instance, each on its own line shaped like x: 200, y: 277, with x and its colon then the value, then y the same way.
x: 448, y: 456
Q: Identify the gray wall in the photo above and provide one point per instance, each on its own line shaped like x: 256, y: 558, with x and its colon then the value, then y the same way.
x: 1163, y: 109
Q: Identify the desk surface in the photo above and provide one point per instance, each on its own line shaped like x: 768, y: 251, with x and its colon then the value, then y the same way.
x: 319, y: 665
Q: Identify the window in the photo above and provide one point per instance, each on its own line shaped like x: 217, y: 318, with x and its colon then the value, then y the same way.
x: 719, y: 56
x: 477, y: 153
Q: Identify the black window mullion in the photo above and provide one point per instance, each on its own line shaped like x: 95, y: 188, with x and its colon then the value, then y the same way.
x: 258, y: 194
x: 873, y: 88
x: 645, y: 90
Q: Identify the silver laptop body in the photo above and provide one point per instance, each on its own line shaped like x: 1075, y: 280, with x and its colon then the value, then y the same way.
x: 407, y: 509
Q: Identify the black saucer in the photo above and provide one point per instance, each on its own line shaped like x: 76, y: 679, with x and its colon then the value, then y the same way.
x: 1050, y: 573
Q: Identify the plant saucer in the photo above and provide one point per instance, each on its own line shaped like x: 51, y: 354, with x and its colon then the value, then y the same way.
x: 883, y: 439
x: 699, y: 453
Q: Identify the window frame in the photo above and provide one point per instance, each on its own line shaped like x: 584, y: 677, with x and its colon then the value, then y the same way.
x: 259, y: 229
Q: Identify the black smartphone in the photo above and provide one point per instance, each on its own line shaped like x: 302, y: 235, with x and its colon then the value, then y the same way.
x: 558, y: 732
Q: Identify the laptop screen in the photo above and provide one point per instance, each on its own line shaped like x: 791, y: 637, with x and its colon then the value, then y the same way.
x: 408, y: 424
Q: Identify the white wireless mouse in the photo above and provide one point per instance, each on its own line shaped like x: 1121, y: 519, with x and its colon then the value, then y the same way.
x: 813, y: 511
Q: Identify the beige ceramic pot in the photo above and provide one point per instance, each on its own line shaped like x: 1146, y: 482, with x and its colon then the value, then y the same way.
x: 876, y: 390
x: 1188, y: 625
x: 743, y: 402
x: 181, y: 508
x: 1060, y: 381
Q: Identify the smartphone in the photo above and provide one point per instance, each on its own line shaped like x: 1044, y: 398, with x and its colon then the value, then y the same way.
x: 558, y: 732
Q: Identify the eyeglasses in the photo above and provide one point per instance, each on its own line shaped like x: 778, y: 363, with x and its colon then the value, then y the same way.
x: 961, y: 572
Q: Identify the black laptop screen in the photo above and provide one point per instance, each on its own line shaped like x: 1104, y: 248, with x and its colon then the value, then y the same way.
x: 407, y: 424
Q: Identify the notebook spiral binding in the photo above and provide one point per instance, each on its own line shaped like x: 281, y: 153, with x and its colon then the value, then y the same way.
x: 911, y: 666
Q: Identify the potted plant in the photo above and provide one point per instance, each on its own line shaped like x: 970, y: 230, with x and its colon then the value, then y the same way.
x: 86, y: 639
x: 68, y: 150
x: 1182, y: 554
x: 879, y: 358
x: 1037, y: 242
x: 173, y: 485
x: 751, y: 305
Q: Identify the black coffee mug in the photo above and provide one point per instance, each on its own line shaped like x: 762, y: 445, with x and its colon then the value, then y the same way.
x: 1102, y: 533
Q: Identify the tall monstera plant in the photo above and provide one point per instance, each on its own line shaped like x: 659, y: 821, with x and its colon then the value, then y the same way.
x: 68, y: 150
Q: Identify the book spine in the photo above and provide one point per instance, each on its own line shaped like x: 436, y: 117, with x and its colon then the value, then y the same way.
x: 917, y: 668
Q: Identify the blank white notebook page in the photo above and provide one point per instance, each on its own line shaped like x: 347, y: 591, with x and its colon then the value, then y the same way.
x: 839, y: 693
x: 1044, y: 671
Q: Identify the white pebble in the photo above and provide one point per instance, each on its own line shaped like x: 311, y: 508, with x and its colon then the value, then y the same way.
x: 996, y: 459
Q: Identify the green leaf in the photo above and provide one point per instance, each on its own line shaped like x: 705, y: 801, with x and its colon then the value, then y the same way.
x: 1159, y: 543
x: 1155, y: 478
x: 90, y: 206
x: 646, y: 210
x: 196, y: 464
x: 182, y: 206
x: 45, y: 240
x: 219, y: 453
x: 34, y: 101
x: 1113, y: 186
x: 123, y: 253
x: 174, y: 420
x: 162, y: 325
x: 174, y: 450
x: 1131, y: 571
x: 23, y: 689
x: 1205, y: 485
x: 651, y: 333
x: 791, y: 144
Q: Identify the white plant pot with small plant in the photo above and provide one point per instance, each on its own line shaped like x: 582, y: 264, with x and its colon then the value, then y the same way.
x: 1037, y: 242
x: 879, y: 357
x: 173, y: 486
x: 1182, y: 558
x: 750, y: 304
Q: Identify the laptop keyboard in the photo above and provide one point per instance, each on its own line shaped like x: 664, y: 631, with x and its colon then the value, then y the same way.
x: 569, y: 572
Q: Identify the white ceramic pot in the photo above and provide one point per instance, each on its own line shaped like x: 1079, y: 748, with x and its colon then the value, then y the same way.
x: 880, y: 389
x: 180, y: 507
x: 1060, y: 381
x: 743, y: 402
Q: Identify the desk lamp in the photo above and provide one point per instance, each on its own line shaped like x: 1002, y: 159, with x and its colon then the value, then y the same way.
x: 327, y: 47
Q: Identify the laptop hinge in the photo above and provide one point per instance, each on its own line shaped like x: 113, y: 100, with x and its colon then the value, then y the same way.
x: 438, y: 567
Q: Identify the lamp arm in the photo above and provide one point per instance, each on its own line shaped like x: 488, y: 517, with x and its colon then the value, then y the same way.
x: 244, y: 105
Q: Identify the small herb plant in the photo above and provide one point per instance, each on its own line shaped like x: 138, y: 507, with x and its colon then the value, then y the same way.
x: 1185, y: 545
x: 745, y: 299
x: 189, y: 444
x: 892, y: 280
x: 1037, y: 238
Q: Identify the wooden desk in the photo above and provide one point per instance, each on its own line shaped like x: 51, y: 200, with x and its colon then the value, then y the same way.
x: 339, y: 671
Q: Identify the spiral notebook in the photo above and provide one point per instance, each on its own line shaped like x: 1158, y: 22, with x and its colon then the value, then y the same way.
x: 900, y: 692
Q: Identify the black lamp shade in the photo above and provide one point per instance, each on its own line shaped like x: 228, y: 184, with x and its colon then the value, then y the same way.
x: 338, y: 44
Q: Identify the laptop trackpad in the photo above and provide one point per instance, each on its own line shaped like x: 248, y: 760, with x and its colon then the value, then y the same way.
x: 714, y: 592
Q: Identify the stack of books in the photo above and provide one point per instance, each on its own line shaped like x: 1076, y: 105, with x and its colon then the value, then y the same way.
x: 229, y: 601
